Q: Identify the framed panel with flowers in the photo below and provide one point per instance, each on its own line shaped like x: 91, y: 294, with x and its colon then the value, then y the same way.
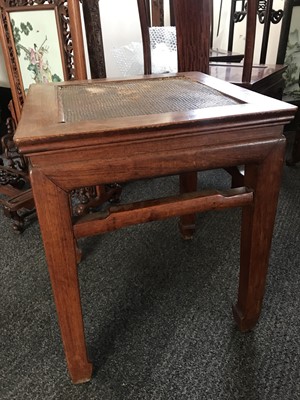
x: 42, y: 42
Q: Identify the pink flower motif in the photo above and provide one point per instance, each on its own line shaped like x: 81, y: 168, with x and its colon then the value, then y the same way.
x: 32, y: 56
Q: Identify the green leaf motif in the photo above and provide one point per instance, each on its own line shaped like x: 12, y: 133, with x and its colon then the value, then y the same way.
x: 56, y: 78
x: 35, y: 54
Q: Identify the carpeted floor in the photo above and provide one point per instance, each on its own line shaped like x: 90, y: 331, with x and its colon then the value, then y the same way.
x: 157, y: 311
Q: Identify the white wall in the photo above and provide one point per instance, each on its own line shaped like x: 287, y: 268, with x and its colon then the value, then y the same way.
x: 120, y: 27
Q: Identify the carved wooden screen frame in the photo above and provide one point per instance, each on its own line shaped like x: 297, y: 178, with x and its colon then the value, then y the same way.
x: 69, y: 32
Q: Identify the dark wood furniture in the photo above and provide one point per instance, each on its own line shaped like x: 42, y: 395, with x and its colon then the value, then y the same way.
x: 266, y: 16
x: 96, y: 132
x: 16, y: 197
x: 5, y: 97
x: 264, y: 79
x: 225, y: 56
x: 156, y: 18
x: 294, y: 126
x: 92, y: 19
x: 148, y: 19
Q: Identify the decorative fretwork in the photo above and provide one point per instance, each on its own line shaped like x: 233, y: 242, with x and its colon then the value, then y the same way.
x: 10, y: 151
x: 266, y: 16
x: 10, y: 176
x: 13, y: 166
x: 275, y: 16
x: 13, y: 61
x: 14, y: 181
x: 88, y: 199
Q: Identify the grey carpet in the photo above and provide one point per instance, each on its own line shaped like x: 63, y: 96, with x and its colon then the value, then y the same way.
x: 157, y: 310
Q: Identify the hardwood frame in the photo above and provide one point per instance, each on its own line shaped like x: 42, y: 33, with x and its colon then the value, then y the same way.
x: 135, y: 141
x: 88, y: 152
x: 68, y: 21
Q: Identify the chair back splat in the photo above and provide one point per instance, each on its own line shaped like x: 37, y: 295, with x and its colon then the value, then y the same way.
x: 91, y: 14
x: 193, y: 34
x: 194, y: 30
x: 250, y: 40
x: 144, y: 13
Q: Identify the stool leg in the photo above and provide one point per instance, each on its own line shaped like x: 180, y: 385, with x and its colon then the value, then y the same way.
x: 187, y: 224
x: 256, y: 235
x: 54, y: 213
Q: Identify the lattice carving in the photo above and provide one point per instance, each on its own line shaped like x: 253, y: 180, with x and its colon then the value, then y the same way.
x: 9, y: 176
x: 88, y: 199
x: 13, y: 61
x: 275, y: 17
x: 13, y: 167
x: 10, y: 151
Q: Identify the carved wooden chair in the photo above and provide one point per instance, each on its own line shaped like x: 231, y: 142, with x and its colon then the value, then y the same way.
x: 266, y: 16
x: 265, y: 79
x: 154, y: 29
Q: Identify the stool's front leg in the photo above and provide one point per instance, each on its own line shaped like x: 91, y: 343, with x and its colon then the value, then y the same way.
x: 256, y: 236
x: 54, y: 213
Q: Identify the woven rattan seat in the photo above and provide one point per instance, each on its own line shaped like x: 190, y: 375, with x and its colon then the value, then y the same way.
x: 141, y: 97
